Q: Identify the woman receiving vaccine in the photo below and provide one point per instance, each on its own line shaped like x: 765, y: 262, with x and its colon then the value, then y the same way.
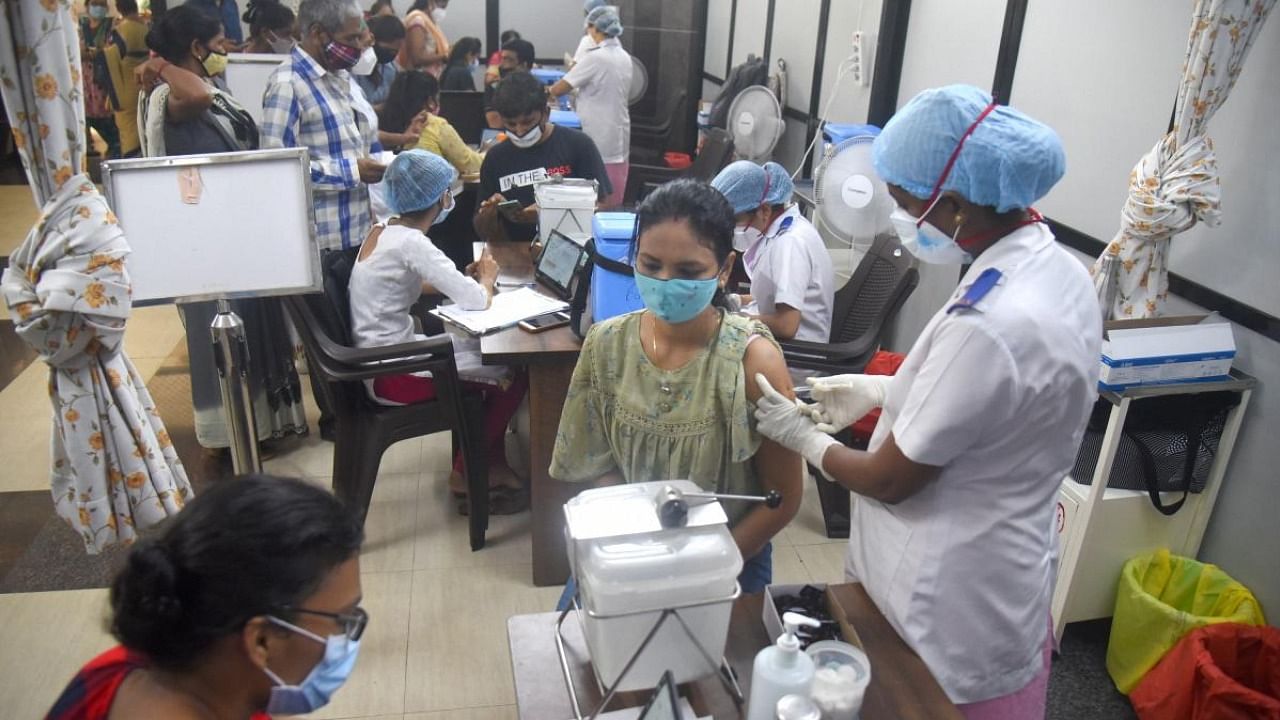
x: 667, y: 392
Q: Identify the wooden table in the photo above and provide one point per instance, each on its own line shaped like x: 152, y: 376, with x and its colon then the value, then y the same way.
x: 901, y: 688
x: 549, y: 357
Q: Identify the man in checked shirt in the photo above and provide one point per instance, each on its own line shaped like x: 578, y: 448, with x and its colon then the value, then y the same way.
x: 312, y: 101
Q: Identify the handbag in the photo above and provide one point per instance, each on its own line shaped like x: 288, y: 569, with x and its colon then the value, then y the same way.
x: 1167, y: 444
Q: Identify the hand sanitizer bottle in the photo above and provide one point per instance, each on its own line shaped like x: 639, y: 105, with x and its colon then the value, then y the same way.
x: 780, y: 670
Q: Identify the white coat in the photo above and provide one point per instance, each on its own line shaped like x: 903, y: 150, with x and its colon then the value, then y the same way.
x: 790, y: 266
x: 603, y: 81
x: 997, y: 395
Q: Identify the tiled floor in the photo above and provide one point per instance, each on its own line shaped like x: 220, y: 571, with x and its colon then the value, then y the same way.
x: 436, y: 648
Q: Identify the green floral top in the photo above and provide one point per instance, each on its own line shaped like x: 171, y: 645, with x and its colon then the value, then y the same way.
x: 694, y: 423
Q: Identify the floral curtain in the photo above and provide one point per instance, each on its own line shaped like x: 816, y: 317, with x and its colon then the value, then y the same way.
x: 1176, y: 184
x: 114, y: 470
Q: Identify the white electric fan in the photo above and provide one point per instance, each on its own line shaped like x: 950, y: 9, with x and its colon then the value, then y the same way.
x: 755, y: 122
x: 639, y: 81
x: 852, y: 202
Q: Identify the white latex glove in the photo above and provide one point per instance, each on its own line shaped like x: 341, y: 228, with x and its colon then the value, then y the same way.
x: 840, y: 400
x: 782, y: 421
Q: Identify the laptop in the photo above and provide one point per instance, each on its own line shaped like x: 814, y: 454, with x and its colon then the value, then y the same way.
x: 559, y: 262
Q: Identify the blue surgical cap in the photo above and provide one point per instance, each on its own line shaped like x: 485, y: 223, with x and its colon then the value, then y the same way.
x: 605, y: 19
x: 780, y: 186
x: 590, y: 5
x: 1008, y: 162
x: 416, y: 180
x: 744, y: 184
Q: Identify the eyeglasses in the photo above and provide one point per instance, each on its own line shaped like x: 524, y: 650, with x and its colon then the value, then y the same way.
x: 352, y: 623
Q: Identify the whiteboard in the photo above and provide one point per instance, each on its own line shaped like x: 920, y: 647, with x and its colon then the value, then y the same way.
x: 247, y: 75
x: 249, y: 234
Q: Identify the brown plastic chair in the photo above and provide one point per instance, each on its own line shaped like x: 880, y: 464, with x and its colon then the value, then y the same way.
x: 717, y: 151
x: 882, y: 282
x: 364, y: 429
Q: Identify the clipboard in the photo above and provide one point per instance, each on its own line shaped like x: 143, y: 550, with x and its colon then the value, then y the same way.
x: 506, y: 310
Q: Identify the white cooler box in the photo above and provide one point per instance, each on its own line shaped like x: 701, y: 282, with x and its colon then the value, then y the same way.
x: 566, y: 205
x: 627, y: 577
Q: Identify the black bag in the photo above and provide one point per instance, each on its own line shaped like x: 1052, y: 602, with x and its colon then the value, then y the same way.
x: 1167, y: 444
x: 582, y: 289
x: 755, y: 71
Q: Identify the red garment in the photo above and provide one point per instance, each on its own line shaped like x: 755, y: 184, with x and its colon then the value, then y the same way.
x: 882, y: 363
x: 1225, y: 671
x: 91, y: 692
x: 500, y: 406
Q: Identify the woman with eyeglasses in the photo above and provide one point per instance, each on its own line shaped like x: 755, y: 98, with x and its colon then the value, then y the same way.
x: 247, y: 604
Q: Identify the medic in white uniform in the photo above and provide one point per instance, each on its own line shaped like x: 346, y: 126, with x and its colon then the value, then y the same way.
x: 792, y: 277
x: 952, y: 522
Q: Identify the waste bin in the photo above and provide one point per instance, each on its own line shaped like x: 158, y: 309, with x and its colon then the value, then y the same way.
x: 1161, y: 597
x: 1219, y: 672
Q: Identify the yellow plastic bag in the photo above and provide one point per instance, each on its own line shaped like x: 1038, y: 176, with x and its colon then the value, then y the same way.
x: 1162, y: 597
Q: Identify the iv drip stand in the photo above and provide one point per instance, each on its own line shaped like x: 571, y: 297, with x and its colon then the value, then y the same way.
x: 231, y: 354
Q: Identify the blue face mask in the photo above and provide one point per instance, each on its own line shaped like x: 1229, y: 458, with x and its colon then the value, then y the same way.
x: 97, y: 12
x: 676, y: 300
x: 321, y: 683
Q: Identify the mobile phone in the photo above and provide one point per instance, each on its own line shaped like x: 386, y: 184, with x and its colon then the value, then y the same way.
x: 545, y: 322
x: 509, y: 208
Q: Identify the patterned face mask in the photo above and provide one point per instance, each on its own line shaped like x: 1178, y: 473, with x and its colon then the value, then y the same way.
x: 341, y: 57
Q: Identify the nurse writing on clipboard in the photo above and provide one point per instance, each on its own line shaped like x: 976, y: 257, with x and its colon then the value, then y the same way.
x: 952, y: 520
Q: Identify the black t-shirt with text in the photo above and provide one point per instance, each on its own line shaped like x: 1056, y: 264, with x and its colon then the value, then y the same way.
x: 513, y: 171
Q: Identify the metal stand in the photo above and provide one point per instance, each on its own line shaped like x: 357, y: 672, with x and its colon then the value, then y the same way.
x: 231, y: 354
x: 721, y: 670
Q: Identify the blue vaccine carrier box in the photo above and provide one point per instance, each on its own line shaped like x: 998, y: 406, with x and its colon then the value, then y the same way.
x: 835, y: 133
x: 566, y: 118
x: 547, y: 76
x: 613, y: 294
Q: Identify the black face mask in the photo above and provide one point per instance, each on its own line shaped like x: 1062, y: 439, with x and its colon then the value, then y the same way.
x: 385, y: 54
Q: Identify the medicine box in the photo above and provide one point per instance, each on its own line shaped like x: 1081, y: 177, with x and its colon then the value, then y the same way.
x: 613, y: 294
x: 1166, y: 350
x: 771, y: 614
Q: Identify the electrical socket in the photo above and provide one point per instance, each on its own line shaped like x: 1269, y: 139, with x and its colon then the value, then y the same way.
x: 860, y: 67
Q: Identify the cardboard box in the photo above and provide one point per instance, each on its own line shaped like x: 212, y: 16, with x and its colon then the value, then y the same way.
x: 1166, y: 350
x: 773, y: 619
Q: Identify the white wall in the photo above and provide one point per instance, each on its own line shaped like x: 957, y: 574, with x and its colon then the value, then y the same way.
x: 1239, y: 257
x: 464, y: 19
x: 553, y: 26
x: 1108, y: 109
x: 950, y: 42
x: 749, y: 30
x: 717, y: 44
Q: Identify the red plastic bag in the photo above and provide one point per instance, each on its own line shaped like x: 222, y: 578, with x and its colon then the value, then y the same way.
x: 1226, y: 671
x: 882, y: 363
